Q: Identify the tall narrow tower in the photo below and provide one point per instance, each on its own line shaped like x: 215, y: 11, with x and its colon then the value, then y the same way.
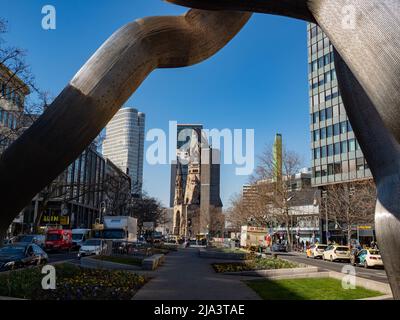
x: 192, y: 192
x: 179, y: 208
x: 277, y: 153
x: 179, y: 192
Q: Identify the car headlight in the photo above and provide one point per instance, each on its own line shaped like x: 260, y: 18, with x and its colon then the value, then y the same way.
x: 9, y: 264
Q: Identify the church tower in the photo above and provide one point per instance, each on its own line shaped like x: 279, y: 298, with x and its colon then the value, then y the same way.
x: 192, y: 192
x: 179, y: 192
x: 179, y: 220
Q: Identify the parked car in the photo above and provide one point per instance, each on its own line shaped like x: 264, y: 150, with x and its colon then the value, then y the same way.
x: 367, y: 258
x: 279, y: 247
x: 79, y: 236
x: 38, y: 239
x: 58, y: 239
x: 141, y: 240
x: 10, y: 240
x: 92, y: 247
x: 316, y: 251
x: 19, y: 255
x: 172, y: 239
x: 336, y: 252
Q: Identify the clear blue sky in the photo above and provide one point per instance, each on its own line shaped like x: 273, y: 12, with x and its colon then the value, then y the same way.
x: 259, y: 81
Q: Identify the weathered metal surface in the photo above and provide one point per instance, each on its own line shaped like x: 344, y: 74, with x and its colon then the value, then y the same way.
x: 370, y: 46
x: 383, y: 154
x: 297, y: 9
x: 366, y: 35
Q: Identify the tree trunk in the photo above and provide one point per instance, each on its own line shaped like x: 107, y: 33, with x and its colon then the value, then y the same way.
x: 289, y: 237
x: 348, y: 235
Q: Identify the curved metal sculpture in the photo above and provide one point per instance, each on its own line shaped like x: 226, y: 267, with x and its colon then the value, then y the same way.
x: 368, y: 68
x: 367, y: 64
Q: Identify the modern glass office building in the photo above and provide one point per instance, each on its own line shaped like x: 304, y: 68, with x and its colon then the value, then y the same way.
x: 124, y: 144
x: 336, y: 155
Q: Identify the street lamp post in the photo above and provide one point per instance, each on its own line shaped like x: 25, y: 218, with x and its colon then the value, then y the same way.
x: 102, y: 208
x: 291, y: 220
x: 325, y: 197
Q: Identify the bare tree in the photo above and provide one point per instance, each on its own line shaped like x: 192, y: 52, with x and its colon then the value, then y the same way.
x: 117, y: 191
x: 237, y: 214
x: 147, y: 209
x: 21, y: 102
x: 351, y: 204
x: 274, y: 180
x: 277, y: 201
x: 252, y: 207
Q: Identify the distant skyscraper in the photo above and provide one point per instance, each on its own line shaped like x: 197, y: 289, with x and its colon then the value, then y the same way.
x: 184, y: 133
x: 124, y: 144
x: 336, y: 155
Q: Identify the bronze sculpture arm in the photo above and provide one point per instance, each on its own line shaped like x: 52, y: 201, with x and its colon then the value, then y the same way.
x: 297, y: 9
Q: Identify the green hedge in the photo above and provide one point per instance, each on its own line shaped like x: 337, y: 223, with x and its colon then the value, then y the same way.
x: 254, y: 264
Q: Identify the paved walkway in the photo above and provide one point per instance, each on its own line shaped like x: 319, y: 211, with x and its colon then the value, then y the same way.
x: 186, y: 276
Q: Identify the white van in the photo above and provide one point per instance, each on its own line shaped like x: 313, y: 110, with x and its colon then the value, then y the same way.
x: 79, y: 236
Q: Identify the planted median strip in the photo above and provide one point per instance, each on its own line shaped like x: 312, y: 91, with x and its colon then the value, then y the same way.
x: 254, y: 264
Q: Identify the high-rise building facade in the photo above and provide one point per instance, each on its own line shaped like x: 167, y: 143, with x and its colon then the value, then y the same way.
x: 336, y: 155
x: 124, y: 144
x: 184, y: 133
x: 13, y: 92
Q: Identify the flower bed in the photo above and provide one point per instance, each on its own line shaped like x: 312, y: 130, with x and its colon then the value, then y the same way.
x: 73, y: 283
x: 254, y: 264
x: 226, y: 254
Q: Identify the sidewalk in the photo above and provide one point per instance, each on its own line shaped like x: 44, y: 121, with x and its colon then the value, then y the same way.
x: 186, y: 276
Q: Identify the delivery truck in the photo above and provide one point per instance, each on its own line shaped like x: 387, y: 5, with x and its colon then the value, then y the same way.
x: 118, y: 228
x: 253, y: 237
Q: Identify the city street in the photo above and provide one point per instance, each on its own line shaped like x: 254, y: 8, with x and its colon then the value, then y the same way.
x: 372, y: 274
x: 124, y: 177
x: 63, y: 257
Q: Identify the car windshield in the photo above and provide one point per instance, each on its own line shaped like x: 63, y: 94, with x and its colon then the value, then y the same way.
x: 92, y: 242
x: 113, y: 234
x: 53, y: 237
x: 25, y: 238
x: 342, y: 248
x: 12, y: 250
x: 322, y: 246
x: 374, y: 252
x: 77, y: 236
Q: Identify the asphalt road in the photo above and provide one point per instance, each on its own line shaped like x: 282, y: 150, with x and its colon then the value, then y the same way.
x: 63, y: 257
x: 372, y: 274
